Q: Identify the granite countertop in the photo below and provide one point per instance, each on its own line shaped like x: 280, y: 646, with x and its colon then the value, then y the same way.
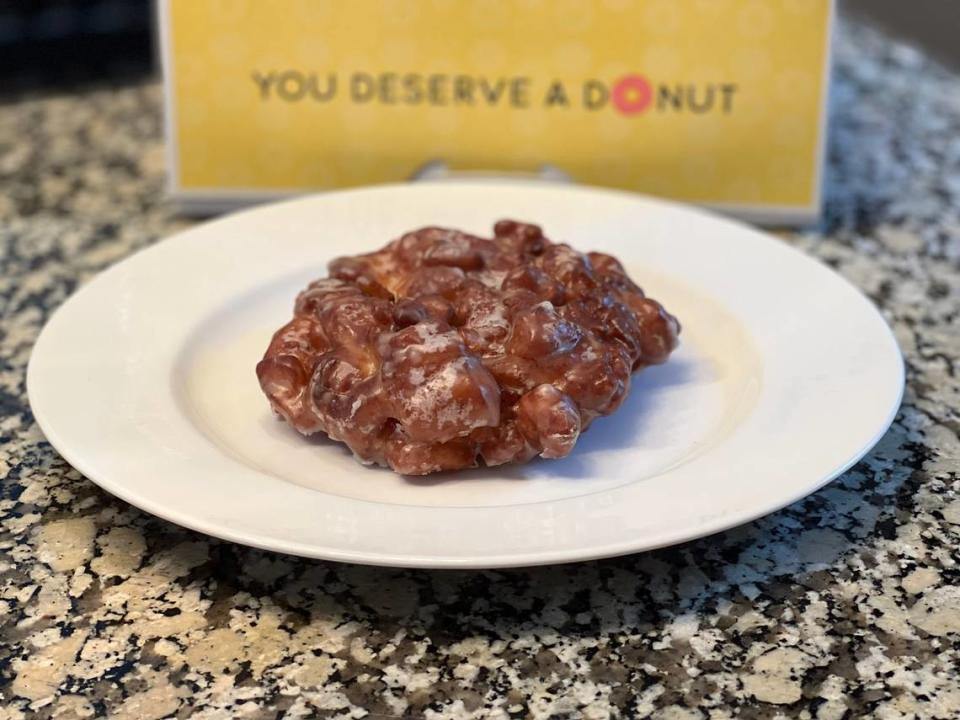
x: 847, y: 603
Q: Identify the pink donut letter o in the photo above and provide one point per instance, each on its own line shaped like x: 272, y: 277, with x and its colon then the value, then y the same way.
x: 632, y: 94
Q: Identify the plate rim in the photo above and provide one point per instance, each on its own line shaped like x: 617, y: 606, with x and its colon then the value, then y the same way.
x: 520, y: 558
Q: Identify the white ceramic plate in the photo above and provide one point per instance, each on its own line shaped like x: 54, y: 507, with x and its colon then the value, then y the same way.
x: 786, y: 375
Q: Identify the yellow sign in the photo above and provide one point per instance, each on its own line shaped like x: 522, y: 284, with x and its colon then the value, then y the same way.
x: 718, y: 102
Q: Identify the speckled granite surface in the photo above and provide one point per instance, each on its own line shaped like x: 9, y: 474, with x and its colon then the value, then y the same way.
x: 845, y: 604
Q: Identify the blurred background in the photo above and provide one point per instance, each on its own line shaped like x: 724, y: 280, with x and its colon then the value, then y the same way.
x: 932, y: 24
x: 61, y: 43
